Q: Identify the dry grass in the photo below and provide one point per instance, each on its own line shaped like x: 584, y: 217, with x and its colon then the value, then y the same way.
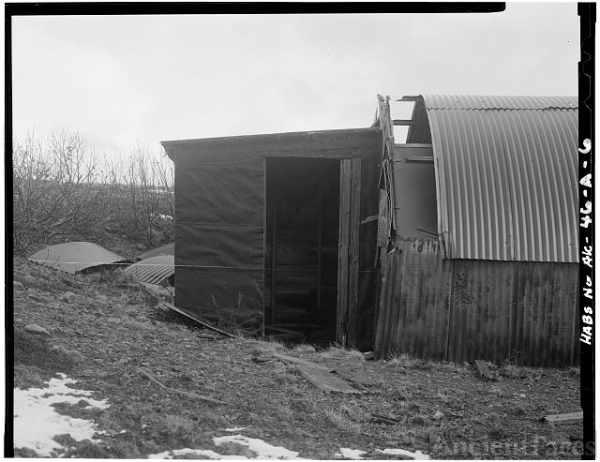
x: 339, y: 353
x: 403, y: 360
x: 344, y: 419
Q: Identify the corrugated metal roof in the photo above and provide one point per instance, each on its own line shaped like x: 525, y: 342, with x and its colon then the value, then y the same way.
x: 75, y: 256
x: 153, y: 270
x: 168, y: 249
x: 506, y: 175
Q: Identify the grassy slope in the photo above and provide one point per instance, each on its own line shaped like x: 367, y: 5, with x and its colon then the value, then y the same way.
x: 103, y: 330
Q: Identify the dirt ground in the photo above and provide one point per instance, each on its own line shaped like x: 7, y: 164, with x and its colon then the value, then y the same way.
x: 104, y: 333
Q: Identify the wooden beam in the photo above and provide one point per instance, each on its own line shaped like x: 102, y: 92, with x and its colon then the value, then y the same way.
x: 409, y: 122
x: 273, y: 250
x: 410, y: 98
x: 319, y: 249
x: 343, y: 249
x: 354, y: 253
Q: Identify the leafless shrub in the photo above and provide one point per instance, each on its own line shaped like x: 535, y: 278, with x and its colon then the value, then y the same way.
x: 64, y: 190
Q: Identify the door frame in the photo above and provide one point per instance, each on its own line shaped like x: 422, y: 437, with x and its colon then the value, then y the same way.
x: 348, y: 252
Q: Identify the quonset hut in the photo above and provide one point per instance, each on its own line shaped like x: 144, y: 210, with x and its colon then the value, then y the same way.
x: 460, y: 244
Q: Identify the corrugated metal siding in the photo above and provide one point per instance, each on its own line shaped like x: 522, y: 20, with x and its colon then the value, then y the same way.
x: 72, y: 257
x: 506, y: 176
x: 415, y: 318
x: 167, y: 249
x: 153, y: 270
x: 462, y: 310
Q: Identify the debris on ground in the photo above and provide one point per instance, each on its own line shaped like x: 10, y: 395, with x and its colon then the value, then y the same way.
x: 36, y: 329
x: 318, y: 375
x: 568, y: 418
x: 72, y: 257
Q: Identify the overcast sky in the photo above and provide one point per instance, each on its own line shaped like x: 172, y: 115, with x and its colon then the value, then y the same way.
x: 124, y: 80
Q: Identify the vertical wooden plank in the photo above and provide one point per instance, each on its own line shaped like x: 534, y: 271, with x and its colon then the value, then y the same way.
x: 265, y: 250
x: 319, y: 249
x: 353, y: 252
x: 343, y: 248
x: 273, y: 251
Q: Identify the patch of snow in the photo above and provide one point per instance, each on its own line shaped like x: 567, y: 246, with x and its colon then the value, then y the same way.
x: 262, y: 450
x: 353, y: 454
x: 357, y: 454
x: 36, y: 422
x: 401, y: 452
x: 195, y: 452
x: 236, y: 429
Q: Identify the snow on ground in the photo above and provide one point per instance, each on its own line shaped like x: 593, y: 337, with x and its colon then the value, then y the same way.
x: 256, y: 449
x: 36, y: 422
x: 402, y: 452
x: 357, y: 454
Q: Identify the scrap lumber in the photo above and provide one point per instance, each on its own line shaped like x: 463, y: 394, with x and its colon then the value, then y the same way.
x: 318, y: 375
x: 568, y: 418
x: 323, y: 379
x: 166, y: 306
x: 357, y: 378
x: 298, y: 361
x: 484, y: 370
x: 174, y: 390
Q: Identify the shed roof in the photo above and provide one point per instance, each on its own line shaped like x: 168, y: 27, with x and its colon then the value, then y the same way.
x: 506, y: 174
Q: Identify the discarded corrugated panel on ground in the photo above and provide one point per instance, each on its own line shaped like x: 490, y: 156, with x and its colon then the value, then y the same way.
x: 153, y: 270
x: 72, y: 257
x: 168, y: 249
x: 506, y: 172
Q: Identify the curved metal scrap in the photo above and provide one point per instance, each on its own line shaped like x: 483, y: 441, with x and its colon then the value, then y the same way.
x: 75, y: 256
x: 168, y: 249
x: 506, y: 175
x: 153, y: 270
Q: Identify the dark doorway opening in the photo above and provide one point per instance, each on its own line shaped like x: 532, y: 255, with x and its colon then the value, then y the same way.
x: 301, y: 251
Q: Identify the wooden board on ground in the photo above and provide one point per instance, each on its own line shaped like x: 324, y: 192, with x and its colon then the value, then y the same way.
x: 318, y: 375
x: 324, y: 380
x: 568, y: 418
x: 357, y: 377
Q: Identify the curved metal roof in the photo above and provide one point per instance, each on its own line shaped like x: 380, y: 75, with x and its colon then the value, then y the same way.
x: 506, y: 175
x: 153, y: 270
x: 167, y: 249
x: 75, y: 256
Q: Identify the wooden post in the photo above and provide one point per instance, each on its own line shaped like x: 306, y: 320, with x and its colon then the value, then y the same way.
x: 273, y: 251
x: 343, y: 247
x: 319, y: 251
x: 354, y: 254
x: 348, y: 252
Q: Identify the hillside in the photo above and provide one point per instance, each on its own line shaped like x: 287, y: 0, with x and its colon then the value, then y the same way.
x: 150, y: 367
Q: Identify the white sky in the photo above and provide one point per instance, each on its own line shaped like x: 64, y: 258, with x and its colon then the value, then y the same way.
x: 124, y: 80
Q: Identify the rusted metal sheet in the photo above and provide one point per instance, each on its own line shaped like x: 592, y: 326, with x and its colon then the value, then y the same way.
x: 168, y: 249
x: 153, y: 270
x: 72, y: 257
x: 413, y: 315
x: 506, y: 175
x: 462, y: 310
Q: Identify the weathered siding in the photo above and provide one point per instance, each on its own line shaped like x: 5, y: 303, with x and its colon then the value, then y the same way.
x: 462, y: 310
